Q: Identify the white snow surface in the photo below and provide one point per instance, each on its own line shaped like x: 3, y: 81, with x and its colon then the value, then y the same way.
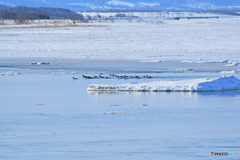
x: 192, y: 85
x: 228, y: 72
x: 196, y: 40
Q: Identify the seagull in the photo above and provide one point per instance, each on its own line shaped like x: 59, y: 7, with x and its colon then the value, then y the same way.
x: 74, y: 78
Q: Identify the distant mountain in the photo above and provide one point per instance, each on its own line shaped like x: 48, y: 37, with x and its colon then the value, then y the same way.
x: 102, y: 5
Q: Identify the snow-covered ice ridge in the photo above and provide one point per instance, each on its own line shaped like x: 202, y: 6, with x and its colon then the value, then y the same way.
x: 191, y: 85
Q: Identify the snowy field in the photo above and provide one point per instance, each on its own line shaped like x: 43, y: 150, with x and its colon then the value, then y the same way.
x: 49, y: 111
x: 195, y: 40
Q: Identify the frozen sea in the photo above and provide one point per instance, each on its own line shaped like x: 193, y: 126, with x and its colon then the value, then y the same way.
x: 45, y: 114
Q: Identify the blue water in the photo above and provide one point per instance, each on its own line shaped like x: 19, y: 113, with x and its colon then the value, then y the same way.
x: 46, y: 116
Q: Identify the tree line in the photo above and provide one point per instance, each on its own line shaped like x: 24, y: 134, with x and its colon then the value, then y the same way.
x: 31, y: 13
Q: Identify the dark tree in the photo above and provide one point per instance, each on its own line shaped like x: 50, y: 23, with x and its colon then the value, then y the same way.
x: 31, y: 13
x: 119, y: 15
x: 7, y: 14
x: 32, y: 16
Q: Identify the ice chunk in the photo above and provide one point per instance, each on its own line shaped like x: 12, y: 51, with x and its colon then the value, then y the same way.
x: 231, y: 63
x: 39, y: 63
x: 191, y: 85
x: 228, y: 72
x: 43, y: 63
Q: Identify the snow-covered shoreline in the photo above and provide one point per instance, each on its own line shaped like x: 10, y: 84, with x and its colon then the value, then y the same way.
x: 193, y: 85
x: 209, y: 40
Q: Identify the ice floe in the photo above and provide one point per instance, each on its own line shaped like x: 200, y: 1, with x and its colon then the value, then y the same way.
x: 190, y: 85
x: 231, y: 63
x: 39, y: 63
x: 228, y: 72
x: 117, y: 112
x: 200, y: 60
x: 183, y: 69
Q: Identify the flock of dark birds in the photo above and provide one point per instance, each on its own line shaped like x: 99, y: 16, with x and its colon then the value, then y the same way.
x: 113, y: 76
